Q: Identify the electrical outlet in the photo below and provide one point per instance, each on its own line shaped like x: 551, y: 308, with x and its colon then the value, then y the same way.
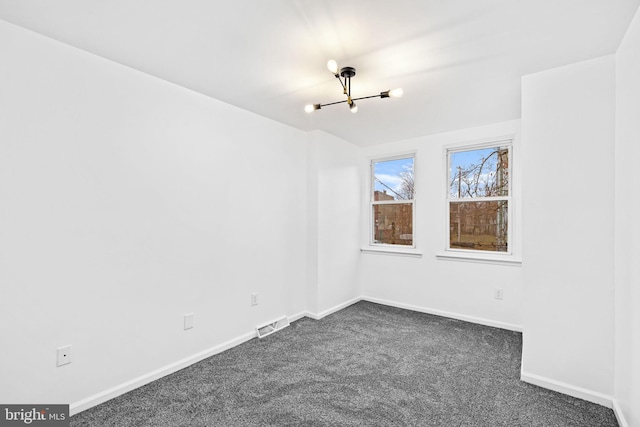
x: 64, y: 355
x: 254, y: 298
x: 188, y: 321
x: 498, y: 293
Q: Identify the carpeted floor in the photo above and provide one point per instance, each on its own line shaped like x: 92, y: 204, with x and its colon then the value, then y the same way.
x: 366, y: 365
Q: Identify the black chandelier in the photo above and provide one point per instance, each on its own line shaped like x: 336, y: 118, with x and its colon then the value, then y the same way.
x: 346, y: 73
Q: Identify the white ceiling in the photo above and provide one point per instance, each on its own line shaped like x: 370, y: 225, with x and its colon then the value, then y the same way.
x: 458, y: 61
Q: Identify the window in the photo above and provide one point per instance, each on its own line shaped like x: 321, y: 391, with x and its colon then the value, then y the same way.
x: 479, y: 197
x: 392, y: 197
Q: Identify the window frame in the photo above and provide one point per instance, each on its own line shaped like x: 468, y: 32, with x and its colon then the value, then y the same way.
x: 372, y: 203
x: 506, y: 142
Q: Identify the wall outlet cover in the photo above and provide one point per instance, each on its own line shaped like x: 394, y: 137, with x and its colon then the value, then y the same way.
x: 64, y: 355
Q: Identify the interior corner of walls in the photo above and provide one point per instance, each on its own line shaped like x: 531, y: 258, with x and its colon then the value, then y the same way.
x: 334, y: 309
x: 619, y: 413
x: 292, y: 318
x: 314, y: 137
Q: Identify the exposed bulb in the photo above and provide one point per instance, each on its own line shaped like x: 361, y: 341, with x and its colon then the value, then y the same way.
x: 311, y: 108
x: 396, y: 93
x: 332, y: 65
x: 353, y: 107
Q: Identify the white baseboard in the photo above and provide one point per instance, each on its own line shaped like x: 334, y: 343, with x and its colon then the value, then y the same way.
x: 568, y: 389
x: 298, y: 316
x: 325, y: 313
x: 478, y: 320
x: 125, y: 387
x: 619, y: 414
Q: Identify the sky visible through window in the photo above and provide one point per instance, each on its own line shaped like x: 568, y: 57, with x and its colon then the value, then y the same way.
x: 464, y: 159
x: 477, y: 173
x: 389, y: 176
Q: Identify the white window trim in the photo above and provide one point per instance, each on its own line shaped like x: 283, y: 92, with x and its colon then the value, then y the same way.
x: 391, y: 250
x: 466, y: 256
x: 381, y: 248
x: 471, y: 255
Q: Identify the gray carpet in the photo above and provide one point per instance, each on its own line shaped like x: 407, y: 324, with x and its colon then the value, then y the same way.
x: 366, y: 365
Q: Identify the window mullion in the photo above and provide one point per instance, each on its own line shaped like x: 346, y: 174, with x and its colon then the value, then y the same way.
x: 392, y: 202
x: 478, y: 199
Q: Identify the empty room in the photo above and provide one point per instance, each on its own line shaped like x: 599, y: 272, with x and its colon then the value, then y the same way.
x: 340, y: 213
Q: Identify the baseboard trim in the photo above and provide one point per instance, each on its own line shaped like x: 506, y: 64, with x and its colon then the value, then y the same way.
x: 125, y: 387
x: 568, y: 389
x: 298, y: 316
x: 617, y: 410
x: 325, y: 313
x: 478, y: 320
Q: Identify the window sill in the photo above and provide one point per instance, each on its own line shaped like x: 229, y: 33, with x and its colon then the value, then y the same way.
x: 480, y: 258
x: 408, y: 252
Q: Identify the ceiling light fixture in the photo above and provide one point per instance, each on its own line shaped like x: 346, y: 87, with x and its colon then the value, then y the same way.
x: 346, y: 73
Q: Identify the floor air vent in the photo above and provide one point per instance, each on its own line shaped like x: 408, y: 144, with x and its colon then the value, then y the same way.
x: 272, y: 327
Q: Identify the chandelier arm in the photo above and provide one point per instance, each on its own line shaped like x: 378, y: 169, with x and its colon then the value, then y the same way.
x: 342, y: 84
x: 333, y: 103
x: 366, y: 97
x: 353, y: 99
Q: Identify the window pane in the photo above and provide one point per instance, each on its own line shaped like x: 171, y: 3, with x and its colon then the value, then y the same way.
x: 393, y: 179
x: 478, y: 225
x: 393, y: 224
x: 479, y: 173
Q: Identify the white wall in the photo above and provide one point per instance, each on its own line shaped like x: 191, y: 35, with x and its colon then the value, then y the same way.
x: 458, y: 289
x: 568, y: 219
x: 126, y: 203
x: 627, y: 249
x: 333, y: 228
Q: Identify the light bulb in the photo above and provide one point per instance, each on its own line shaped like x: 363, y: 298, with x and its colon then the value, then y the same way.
x: 353, y: 107
x: 310, y: 108
x: 396, y: 93
x: 332, y: 65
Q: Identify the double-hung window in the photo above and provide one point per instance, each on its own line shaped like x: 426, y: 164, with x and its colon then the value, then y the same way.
x: 392, y: 201
x: 479, y: 197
